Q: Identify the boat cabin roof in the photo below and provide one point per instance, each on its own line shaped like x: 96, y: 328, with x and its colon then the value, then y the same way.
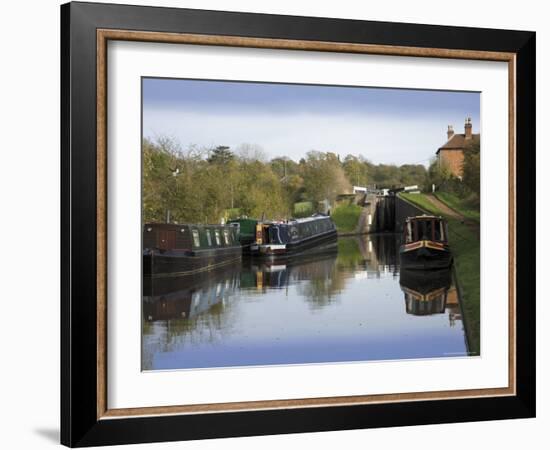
x: 185, y: 225
x: 242, y: 220
x: 295, y: 221
x: 309, y: 219
x: 421, y: 228
x: 424, y: 217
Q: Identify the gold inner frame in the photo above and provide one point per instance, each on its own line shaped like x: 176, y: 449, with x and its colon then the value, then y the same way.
x: 103, y: 36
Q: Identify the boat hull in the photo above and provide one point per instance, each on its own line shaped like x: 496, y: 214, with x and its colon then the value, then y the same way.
x: 425, y: 255
x: 247, y: 244
x: 178, y: 263
x: 319, y: 243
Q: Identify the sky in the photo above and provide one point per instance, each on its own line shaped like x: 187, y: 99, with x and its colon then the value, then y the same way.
x: 391, y: 126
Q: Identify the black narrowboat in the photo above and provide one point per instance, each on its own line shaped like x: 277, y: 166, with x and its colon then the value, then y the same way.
x: 425, y: 245
x: 171, y: 250
x: 294, y: 237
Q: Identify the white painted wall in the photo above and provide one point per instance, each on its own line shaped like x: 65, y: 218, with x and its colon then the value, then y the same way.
x: 29, y: 190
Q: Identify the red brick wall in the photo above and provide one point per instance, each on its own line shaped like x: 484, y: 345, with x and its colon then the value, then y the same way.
x: 453, y: 160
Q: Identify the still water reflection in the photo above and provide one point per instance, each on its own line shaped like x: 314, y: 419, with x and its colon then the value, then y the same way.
x: 348, y: 305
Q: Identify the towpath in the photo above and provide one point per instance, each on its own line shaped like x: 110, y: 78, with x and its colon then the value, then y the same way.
x: 444, y: 208
x: 452, y: 213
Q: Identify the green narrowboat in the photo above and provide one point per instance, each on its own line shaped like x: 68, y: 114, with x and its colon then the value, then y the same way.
x: 246, y: 232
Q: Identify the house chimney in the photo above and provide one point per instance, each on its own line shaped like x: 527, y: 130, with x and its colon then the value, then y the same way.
x: 468, y: 128
x: 450, y: 132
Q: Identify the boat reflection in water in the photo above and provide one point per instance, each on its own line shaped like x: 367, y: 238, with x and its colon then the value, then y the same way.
x: 430, y: 292
x: 313, y: 278
x: 337, y: 306
x: 264, y: 274
x: 187, y: 297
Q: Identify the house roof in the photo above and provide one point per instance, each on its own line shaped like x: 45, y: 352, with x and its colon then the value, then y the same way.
x: 458, y: 142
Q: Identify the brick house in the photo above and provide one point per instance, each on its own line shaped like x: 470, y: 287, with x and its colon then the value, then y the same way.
x: 451, y: 154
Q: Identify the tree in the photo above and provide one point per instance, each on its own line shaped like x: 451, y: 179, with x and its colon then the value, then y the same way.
x: 412, y: 174
x: 324, y: 177
x: 471, y: 167
x: 251, y: 152
x: 220, y: 155
x: 356, y: 169
x: 261, y: 192
x: 203, y: 185
x: 159, y: 188
x: 284, y: 167
x: 438, y: 174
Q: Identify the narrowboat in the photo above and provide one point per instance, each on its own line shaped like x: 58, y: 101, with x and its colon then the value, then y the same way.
x: 425, y: 245
x: 246, y: 232
x: 171, y: 250
x: 294, y: 237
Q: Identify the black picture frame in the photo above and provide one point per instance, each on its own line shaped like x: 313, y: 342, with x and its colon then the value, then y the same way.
x: 80, y: 425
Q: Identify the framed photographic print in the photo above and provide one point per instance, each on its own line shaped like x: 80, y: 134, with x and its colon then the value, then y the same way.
x: 277, y: 224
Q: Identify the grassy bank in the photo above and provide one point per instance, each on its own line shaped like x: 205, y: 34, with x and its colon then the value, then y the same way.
x: 464, y: 242
x: 460, y: 205
x: 346, y: 217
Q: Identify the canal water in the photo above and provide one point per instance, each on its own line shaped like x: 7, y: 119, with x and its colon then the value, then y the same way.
x: 350, y: 304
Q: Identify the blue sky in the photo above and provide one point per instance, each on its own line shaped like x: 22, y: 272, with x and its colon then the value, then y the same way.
x: 400, y: 126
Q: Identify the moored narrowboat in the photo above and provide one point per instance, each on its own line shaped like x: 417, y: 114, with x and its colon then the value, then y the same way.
x: 425, y: 245
x: 246, y: 232
x: 171, y: 250
x: 294, y: 237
